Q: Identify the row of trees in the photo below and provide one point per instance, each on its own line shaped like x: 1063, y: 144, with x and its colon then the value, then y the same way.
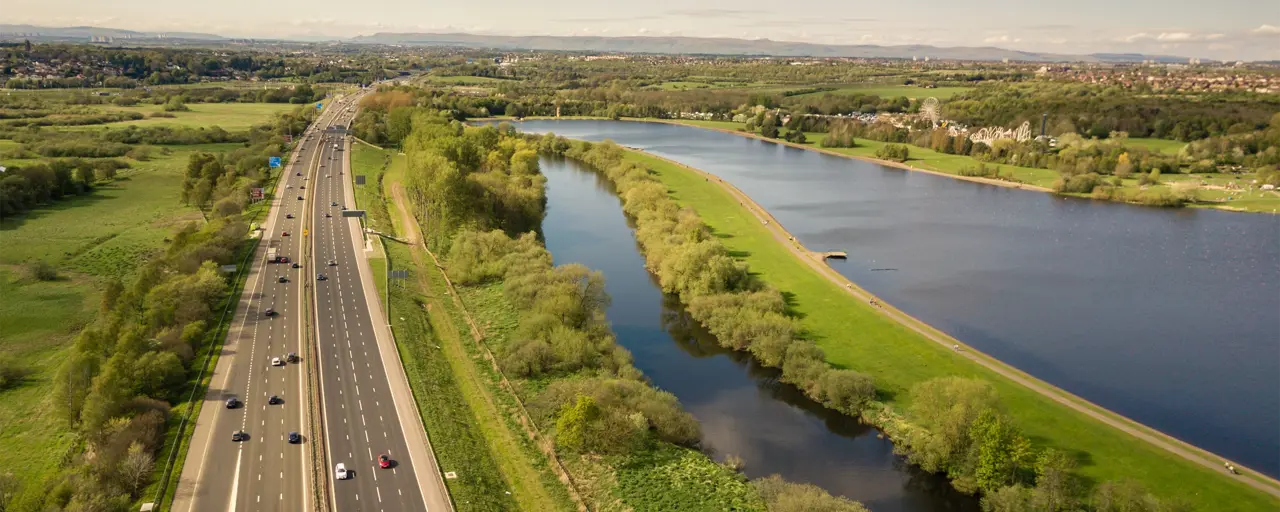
x: 26, y: 187
x: 473, y: 178
x: 222, y: 179
x: 742, y: 312
x: 1098, y: 110
x: 116, y: 382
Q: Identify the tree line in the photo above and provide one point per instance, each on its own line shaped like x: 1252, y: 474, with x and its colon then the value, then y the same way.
x: 954, y: 425
x: 117, y: 380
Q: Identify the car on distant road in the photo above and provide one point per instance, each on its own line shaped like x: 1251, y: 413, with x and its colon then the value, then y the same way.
x: 333, y: 263
x: 284, y: 233
x: 275, y: 361
x: 283, y: 259
x: 299, y: 198
x: 320, y: 277
x: 297, y: 174
x: 384, y: 461
x: 273, y: 400
x: 292, y: 357
x: 340, y: 471
x: 295, y: 438
x: 288, y: 215
x: 295, y: 265
x: 270, y: 312
x: 328, y: 215
x: 282, y: 279
x: 232, y: 403
x: 239, y: 435
x: 335, y: 203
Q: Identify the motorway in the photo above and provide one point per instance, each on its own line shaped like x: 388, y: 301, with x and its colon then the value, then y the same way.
x: 265, y: 472
x: 363, y: 411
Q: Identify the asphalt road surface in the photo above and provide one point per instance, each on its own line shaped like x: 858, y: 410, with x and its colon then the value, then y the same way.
x: 264, y: 472
x: 362, y: 421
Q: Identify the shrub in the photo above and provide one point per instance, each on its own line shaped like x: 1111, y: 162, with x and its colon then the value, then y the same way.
x: 895, y: 152
x: 41, y: 270
x: 11, y: 373
x: 782, y: 496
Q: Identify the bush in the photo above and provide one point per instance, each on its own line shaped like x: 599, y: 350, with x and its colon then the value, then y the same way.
x: 782, y: 496
x: 41, y: 270
x: 895, y: 152
x: 1078, y: 184
x: 11, y: 373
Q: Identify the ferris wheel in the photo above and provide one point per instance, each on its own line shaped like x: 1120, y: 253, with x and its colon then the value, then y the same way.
x: 930, y: 110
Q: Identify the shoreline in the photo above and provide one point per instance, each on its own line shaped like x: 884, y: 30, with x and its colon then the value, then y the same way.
x: 816, y: 261
x: 1210, y: 205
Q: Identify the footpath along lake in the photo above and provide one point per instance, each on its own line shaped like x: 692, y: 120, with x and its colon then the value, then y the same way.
x: 1170, y: 317
x: 743, y: 410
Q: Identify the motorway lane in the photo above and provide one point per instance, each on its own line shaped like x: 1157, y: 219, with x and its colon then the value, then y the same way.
x: 361, y: 417
x: 264, y: 473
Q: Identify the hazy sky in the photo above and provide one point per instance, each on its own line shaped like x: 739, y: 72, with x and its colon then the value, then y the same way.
x: 1224, y: 29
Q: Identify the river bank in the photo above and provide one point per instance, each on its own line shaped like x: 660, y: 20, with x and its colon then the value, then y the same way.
x: 828, y: 304
x: 1212, y: 196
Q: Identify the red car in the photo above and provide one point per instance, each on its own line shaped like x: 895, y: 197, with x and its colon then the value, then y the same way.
x: 384, y: 461
x: 286, y: 233
x: 283, y: 259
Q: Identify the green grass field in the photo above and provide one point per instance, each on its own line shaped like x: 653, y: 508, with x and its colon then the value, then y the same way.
x: 1168, y: 147
x: 464, y: 80
x: 856, y: 336
x: 893, y: 91
x: 89, y: 239
x: 228, y: 116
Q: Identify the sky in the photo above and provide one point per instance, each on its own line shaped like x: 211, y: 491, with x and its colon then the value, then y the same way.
x: 1217, y: 29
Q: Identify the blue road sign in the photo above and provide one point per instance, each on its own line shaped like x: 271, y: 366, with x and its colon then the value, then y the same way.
x: 275, y: 161
x: 319, y: 105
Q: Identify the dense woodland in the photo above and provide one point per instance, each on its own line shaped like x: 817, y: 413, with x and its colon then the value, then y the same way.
x: 53, y: 66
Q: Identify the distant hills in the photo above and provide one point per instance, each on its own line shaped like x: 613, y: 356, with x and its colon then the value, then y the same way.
x: 36, y: 33
x: 651, y: 45
x: 730, y: 46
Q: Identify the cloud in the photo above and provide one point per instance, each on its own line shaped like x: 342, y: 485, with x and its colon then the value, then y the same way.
x: 714, y: 13
x: 1266, y: 30
x: 1001, y: 39
x: 1172, y: 37
x: 607, y: 20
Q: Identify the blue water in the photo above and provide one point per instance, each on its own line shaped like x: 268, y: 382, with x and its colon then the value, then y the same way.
x: 1170, y: 317
x: 742, y: 408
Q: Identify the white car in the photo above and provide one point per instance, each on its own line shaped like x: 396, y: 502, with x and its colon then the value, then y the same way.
x: 340, y: 472
x: 275, y: 361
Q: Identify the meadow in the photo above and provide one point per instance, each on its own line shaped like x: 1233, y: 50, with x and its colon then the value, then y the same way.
x: 90, y: 239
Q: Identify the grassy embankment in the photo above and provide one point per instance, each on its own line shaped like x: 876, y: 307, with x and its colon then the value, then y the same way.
x: 435, y: 336
x: 898, y: 358
x: 1211, y: 194
x: 471, y: 426
x: 894, y: 91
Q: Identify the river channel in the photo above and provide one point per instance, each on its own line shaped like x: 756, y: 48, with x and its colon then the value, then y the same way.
x: 743, y: 410
x: 1170, y: 317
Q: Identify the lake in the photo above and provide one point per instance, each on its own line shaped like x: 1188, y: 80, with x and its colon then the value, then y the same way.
x: 1170, y: 317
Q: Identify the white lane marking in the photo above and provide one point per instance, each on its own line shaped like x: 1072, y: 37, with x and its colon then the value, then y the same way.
x: 235, y: 483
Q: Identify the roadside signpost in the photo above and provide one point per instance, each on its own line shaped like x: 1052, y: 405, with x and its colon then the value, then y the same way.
x: 359, y: 179
x: 274, y: 162
x: 256, y: 194
x: 319, y: 105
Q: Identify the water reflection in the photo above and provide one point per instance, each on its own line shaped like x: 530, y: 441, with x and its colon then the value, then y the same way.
x: 743, y: 408
x: 1168, y: 317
